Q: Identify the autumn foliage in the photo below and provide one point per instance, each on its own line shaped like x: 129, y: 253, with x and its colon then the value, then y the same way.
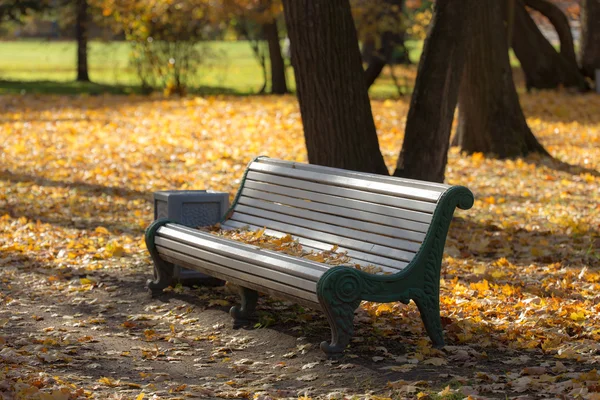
x: 521, y: 273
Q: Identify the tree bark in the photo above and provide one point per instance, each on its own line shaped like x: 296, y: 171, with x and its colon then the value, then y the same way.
x: 424, y: 151
x: 336, y: 112
x: 544, y: 68
x: 278, y: 80
x: 81, y: 34
x: 490, y: 119
x: 590, y: 37
x: 559, y: 20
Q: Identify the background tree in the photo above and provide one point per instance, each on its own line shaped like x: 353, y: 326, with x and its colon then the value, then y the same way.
x: 278, y: 79
x: 257, y: 22
x: 544, y: 67
x: 490, y: 117
x: 334, y: 104
x: 424, y: 152
x: 590, y: 37
x: 165, y: 39
x: 81, y: 35
x: 381, y: 25
x: 15, y: 10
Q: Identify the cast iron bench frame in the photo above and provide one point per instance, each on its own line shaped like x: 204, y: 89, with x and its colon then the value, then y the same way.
x: 322, y: 207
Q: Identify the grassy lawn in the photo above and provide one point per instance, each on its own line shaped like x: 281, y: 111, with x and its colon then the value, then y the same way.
x: 49, y: 67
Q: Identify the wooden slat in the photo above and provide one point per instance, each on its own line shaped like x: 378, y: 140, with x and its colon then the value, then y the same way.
x: 335, y: 209
x: 358, y: 257
x: 325, y: 237
x: 387, y: 264
x: 355, y: 174
x: 355, y: 194
x: 264, y: 271
x: 237, y: 277
x: 345, y: 222
x: 380, y: 210
x: 293, y: 265
x: 369, y: 185
x: 327, y: 228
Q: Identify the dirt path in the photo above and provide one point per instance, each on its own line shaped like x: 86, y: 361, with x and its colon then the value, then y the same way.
x: 100, y: 335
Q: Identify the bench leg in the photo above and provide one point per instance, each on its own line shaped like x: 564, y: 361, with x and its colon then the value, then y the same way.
x: 430, y: 314
x: 242, y: 315
x: 339, y: 291
x: 163, y: 276
x: 163, y: 270
x: 341, y: 322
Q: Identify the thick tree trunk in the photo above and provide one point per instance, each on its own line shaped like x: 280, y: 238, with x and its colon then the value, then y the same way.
x: 278, y: 81
x: 590, y: 37
x: 559, y: 20
x: 334, y: 103
x: 490, y: 117
x: 544, y: 68
x: 81, y: 34
x: 425, y: 149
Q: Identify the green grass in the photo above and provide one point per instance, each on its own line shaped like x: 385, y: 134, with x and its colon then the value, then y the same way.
x: 49, y: 67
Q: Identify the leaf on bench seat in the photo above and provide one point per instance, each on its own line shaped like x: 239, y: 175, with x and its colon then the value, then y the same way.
x: 288, y: 245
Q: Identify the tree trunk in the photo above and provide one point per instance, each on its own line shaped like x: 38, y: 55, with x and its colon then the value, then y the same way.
x: 379, y: 59
x: 425, y: 148
x: 490, y: 116
x: 368, y: 49
x: 390, y: 39
x: 544, y: 68
x: 559, y: 20
x: 334, y: 103
x: 81, y: 34
x: 590, y: 37
x: 278, y: 81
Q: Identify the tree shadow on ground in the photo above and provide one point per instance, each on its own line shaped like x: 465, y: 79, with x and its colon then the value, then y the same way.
x: 65, y: 213
x: 513, y: 243
x: 85, y: 187
x: 115, y: 346
x: 561, y: 166
x: 95, y: 89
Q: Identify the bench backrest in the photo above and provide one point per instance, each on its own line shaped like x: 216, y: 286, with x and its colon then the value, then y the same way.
x: 378, y: 220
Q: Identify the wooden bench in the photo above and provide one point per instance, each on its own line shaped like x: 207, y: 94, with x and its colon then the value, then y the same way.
x: 397, y: 225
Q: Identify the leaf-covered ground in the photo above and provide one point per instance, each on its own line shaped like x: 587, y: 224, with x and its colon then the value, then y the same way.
x: 521, y: 274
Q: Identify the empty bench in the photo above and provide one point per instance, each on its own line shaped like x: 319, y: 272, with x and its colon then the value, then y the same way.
x: 397, y: 225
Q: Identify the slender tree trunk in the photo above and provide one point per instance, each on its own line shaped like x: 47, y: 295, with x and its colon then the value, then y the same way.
x: 424, y: 151
x: 278, y: 81
x: 590, y: 37
x: 334, y: 103
x: 368, y: 48
x: 559, y: 20
x: 544, y: 68
x: 81, y: 34
x: 490, y: 117
x: 391, y: 38
x: 379, y: 59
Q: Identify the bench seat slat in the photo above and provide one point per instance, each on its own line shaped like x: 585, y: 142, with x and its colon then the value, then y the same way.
x: 415, y: 220
x: 370, y: 185
x: 332, y: 239
x: 355, y: 174
x: 408, y: 204
x: 278, y: 261
x: 236, y: 276
x: 351, y: 223
x: 314, y: 224
x: 357, y: 257
x: 258, y: 269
